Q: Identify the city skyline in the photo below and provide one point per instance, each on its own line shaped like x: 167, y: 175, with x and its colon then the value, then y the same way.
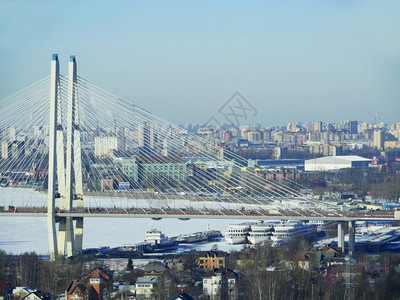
x: 292, y: 62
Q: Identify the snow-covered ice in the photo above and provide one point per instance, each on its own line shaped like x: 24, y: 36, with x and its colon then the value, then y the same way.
x: 19, y: 234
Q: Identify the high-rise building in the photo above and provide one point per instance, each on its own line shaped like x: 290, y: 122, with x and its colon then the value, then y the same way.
x: 332, y: 150
x: 315, y: 148
x: 379, y: 139
x: 317, y: 126
x: 314, y: 136
x: 292, y: 128
x: 17, y: 149
x: 326, y: 149
x: 353, y: 127
x: 280, y: 152
x: 105, y: 144
x: 5, y: 150
x: 325, y: 137
x: 37, y: 131
x: 244, y: 130
x: 336, y: 150
x: 267, y: 134
x: 146, y: 135
x: 12, y: 134
x: 254, y: 136
x: 362, y: 127
x: 227, y: 136
x: 166, y: 144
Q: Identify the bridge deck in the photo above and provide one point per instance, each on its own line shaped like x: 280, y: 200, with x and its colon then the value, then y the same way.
x: 206, y: 214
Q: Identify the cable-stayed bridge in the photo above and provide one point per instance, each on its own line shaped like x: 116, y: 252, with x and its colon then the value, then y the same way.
x: 96, y: 155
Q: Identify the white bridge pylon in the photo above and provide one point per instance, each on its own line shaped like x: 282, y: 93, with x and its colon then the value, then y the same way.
x: 64, y: 168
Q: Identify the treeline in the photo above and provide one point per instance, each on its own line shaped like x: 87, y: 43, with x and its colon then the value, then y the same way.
x: 377, y: 183
x: 265, y: 276
x: 31, y: 270
x: 264, y: 273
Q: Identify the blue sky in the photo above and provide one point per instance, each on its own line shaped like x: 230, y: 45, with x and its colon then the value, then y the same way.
x: 292, y: 60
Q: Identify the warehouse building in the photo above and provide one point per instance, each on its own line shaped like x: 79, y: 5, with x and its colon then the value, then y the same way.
x: 329, y: 163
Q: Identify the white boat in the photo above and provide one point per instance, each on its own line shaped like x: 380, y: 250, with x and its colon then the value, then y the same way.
x: 286, y: 230
x: 237, y: 233
x: 158, y: 239
x: 260, y: 233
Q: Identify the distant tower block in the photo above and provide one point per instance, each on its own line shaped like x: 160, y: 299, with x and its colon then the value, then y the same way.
x: 280, y: 152
x: 5, y: 149
x: 379, y: 139
x: 104, y: 145
x: 317, y: 126
x: 353, y: 127
x: 165, y: 147
x: 146, y: 135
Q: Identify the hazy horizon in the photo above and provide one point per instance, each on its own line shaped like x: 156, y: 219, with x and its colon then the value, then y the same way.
x: 293, y: 61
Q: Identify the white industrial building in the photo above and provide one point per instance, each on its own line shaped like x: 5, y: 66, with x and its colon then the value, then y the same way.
x: 328, y: 163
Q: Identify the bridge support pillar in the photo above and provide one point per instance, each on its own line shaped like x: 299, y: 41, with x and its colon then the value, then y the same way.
x: 73, y: 170
x: 62, y: 227
x: 51, y: 191
x: 78, y: 236
x: 70, y: 237
x: 340, y: 232
x: 352, y: 237
x: 66, y: 170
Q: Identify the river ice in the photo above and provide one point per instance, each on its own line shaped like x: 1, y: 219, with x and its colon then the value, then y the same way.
x: 19, y: 234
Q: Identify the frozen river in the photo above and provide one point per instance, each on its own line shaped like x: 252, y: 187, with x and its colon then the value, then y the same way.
x: 21, y: 234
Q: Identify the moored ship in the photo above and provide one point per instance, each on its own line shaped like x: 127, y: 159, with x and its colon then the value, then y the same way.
x: 198, y: 237
x: 237, y: 233
x: 158, y: 239
x: 287, y: 230
x: 260, y: 232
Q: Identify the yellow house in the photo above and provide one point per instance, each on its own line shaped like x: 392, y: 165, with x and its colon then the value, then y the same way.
x: 212, y: 260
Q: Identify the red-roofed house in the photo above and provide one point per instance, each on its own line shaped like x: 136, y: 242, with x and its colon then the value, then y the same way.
x: 90, y: 286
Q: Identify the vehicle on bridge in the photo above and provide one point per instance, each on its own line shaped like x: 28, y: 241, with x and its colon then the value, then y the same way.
x: 7, y: 208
